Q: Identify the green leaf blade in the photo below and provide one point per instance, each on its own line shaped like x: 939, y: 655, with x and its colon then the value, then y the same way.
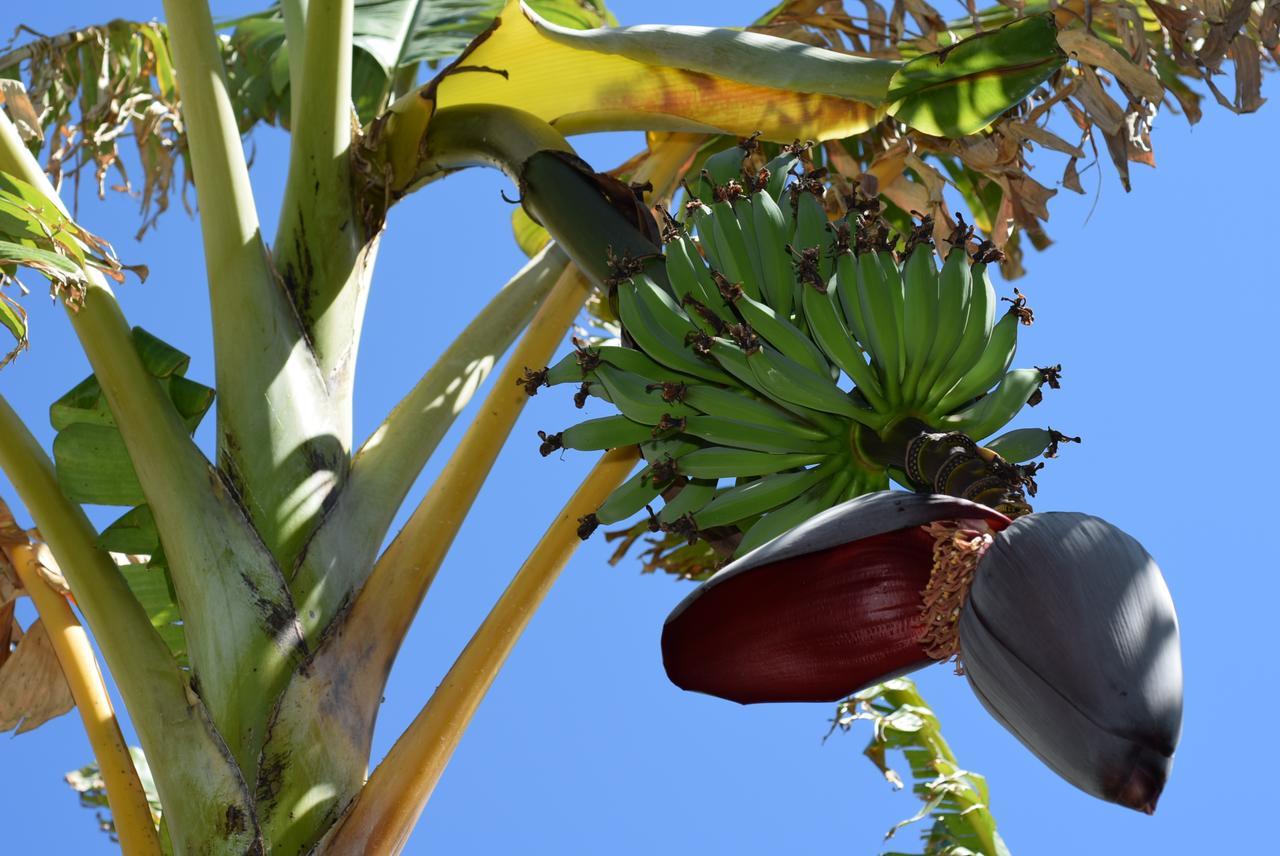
x: 963, y: 88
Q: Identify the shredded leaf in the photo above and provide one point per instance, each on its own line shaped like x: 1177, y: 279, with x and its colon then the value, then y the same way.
x: 1133, y: 59
x: 955, y: 799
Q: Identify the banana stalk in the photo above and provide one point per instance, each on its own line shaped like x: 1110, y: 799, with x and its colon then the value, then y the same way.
x: 380, y: 819
x: 128, y: 801
x: 586, y: 213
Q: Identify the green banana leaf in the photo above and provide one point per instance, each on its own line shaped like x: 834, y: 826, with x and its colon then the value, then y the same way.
x: 89, y: 454
x: 388, y: 36
x: 963, y: 88
x: 36, y: 236
x: 92, y: 465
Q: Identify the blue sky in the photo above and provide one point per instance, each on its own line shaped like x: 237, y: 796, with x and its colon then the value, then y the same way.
x: 1160, y: 305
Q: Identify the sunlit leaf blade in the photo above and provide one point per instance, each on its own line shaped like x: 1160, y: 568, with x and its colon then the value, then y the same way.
x: 49, y: 263
x: 961, y: 89
x: 387, y: 35
x: 150, y: 584
x: 583, y: 81
x: 90, y: 457
x: 444, y: 28
x: 133, y: 533
x: 93, y: 466
x: 666, y: 78
x: 734, y: 82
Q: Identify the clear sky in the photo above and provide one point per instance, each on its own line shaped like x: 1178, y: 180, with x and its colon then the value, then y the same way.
x: 1161, y: 306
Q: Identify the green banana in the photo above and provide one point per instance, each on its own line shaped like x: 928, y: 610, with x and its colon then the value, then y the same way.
x: 637, y: 362
x: 660, y: 329
x: 1021, y: 444
x: 893, y: 284
x: 731, y: 404
x: 701, y: 187
x: 695, y: 495
x: 812, y: 231
x: 662, y: 306
x: 720, y: 462
x: 772, y: 237
x: 786, y: 380
x: 757, y: 497
x: 979, y: 321
x: 700, y: 217
x: 829, y: 331
x: 718, y: 257
x: 631, y: 496
x: 607, y: 432
x: 675, y: 447
x: 817, y: 498
x: 734, y: 360
x: 745, y: 435
x: 955, y: 289
x: 989, y: 368
x: 632, y: 395
x: 567, y: 369
x: 734, y: 257
x: 993, y: 411
x: 881, y: 322
x: 779, y: 168
x: 845, y: 287
x: 570, y: 368
x: 725, y: 165
x: 920, y: 280
x: 865, y: 482
x: 690, y: 277
x: 743, y: 211
x: 783, y: 335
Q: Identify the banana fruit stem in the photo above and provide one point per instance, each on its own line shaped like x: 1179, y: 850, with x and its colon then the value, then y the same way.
x: 386, y: 810
x: 977, y: 815
x: 125, y: 795
x: 401, y: 576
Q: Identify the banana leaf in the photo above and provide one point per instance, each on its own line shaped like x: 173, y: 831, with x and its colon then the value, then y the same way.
x: 92, y: 465
x: 36, y: 236
x: 736, y: 82
x: 388, y: 37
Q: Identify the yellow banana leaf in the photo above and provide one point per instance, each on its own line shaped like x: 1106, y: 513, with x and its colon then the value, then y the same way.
x: 666, y: 78
x: 721, y: 81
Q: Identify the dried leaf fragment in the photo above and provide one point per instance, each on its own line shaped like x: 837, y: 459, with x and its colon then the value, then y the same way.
x: 32, y: 688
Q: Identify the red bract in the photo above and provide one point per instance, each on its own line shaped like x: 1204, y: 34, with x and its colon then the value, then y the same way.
x: 820, y: 616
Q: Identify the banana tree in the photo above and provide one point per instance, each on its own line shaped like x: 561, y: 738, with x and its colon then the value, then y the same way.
x: 241, y: 603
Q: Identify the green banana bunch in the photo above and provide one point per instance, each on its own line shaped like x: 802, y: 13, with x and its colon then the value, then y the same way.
x: 770, y: 346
